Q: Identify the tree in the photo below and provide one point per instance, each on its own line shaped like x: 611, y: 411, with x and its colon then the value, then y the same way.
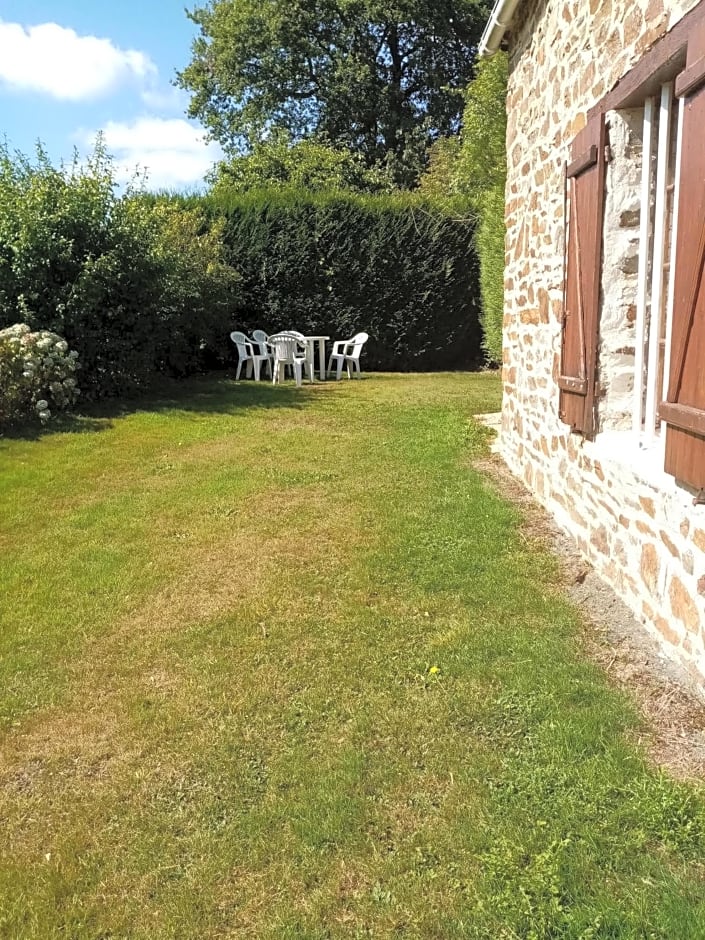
x: 482, y: 160
x: 277, y: 163
x: 383, y: 78
x: 438, y: 181
x: 468, y: 173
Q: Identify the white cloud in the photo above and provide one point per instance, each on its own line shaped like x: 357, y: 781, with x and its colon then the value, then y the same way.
x: 172, y: 99
x: 172, y: 152
x: 57, y: 61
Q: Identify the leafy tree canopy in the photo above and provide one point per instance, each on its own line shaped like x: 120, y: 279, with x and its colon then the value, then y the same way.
x: 440, y: 178
x: 480, y: 174
x: 475, y: 161
x: 279, y: 163
x: 482, y: 156
x: 469, y: 172
x: 383, y: 78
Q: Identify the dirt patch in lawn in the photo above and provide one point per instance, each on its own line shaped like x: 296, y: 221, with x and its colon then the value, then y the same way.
x: 672, y: 706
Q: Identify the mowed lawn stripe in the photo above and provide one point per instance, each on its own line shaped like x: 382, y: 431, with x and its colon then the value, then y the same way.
x: 296, y: 673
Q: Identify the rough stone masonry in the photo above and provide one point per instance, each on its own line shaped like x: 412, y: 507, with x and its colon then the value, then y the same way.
x: 638, y: 528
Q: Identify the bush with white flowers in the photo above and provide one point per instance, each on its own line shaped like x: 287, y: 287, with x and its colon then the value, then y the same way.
x: 36, y: 375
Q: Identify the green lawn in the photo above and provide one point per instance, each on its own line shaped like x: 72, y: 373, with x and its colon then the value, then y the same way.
x: 277, y: 663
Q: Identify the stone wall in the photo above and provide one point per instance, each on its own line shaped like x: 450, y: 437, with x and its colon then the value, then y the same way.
x: 640, y: 530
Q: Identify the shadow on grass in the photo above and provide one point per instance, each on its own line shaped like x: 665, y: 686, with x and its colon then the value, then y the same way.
x: 216, y: 393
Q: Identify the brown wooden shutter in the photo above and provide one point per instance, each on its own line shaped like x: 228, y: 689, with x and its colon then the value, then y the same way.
x: 684, y: 408
x: 585, y: 182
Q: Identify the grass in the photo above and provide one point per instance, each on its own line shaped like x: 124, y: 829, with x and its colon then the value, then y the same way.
x: 277, y: 663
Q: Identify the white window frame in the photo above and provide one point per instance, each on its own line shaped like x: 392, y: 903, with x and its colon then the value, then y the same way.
x: 648, y: 392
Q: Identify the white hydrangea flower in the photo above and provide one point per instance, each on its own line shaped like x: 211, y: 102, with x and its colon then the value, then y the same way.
x: 44, y: 366
x: 15, y: 331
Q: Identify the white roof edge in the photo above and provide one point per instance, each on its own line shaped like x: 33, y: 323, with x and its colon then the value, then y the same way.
x: 499, y: 22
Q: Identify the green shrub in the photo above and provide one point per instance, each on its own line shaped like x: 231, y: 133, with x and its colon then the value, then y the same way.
x: 278, y: 162
x: 79, y: 260
x: 399, y: 267
x: 198, y: 289
x: 480, y: 175
x: 36, y: 375
x: 489, y: 241
x: 136, y: 285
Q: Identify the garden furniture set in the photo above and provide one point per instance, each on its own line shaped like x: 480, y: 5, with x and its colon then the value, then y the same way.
x: 291, y: 349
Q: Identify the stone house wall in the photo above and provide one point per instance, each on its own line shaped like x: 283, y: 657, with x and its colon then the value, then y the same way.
x: 638, y: 528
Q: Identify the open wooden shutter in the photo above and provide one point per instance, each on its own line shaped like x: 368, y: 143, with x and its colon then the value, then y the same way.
x: 684, y: 408
x: 585, y: 182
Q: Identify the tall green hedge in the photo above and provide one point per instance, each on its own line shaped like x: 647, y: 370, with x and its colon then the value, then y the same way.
x: 398, y: 267
x: 480, y: 176
x: 489, y: 241
x: 142, y: 284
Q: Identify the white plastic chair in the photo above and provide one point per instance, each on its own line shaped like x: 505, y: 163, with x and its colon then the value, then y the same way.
x: 261, y: 340
x: 308, y: 346
x: 347, y: 352
x: 247, y: 354
x: 290, y: 350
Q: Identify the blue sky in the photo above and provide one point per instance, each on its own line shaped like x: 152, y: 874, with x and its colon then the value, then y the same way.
x: 71, y: 68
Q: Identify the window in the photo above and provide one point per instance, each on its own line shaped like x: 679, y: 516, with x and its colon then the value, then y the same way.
x: 683, y: 404
x: 669, y: 353
x: 655, y: 279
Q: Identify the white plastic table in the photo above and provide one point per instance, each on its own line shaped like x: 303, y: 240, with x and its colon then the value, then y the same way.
x: 311, y: 352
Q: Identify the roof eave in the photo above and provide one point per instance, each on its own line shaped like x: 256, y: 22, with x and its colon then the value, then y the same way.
x: 499, y: 22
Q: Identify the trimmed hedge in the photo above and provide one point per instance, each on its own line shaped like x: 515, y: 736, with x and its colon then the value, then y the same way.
x: 480, y: 175
x: 141, y: 285
x: 489, y: 241
x: 398, y: 267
